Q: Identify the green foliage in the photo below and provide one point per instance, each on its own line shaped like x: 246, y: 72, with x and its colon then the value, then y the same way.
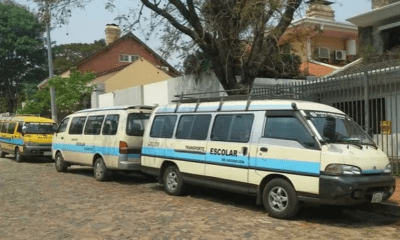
x: 67, y: 55
x: 196, y: 64
x: 3, y: 104
x: 22, y: 54
x: 70, y: 94
x: 368, y: 53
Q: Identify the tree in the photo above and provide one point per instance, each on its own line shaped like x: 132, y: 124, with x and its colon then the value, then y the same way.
x: 66, y: 55
x: 70, y: 97
x: 22, y: 55
x: 238, y: 36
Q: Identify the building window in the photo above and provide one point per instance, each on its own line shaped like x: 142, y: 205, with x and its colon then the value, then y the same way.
x: 391, y: 38
x: 128, y: 58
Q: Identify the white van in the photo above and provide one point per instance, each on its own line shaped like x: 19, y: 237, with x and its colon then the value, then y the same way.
x: 282, y: 151
x: 105, y: 138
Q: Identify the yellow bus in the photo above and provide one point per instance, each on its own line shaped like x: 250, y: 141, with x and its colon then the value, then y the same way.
x: 26, y: 136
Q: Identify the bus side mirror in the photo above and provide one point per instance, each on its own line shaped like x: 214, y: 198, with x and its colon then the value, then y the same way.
x: 23, y: 130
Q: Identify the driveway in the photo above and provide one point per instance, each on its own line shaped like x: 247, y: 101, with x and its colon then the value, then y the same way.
x: 36, y: 202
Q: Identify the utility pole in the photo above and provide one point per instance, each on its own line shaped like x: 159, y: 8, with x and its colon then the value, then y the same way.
x: 51, y: 71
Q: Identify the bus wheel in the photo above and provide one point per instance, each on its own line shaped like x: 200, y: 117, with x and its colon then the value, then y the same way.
x: 101, y: 173
x: 2, y: 154
x: 173, y: 182
x: 18, y: 157
x: 61, y: 166
x: 280, y: 199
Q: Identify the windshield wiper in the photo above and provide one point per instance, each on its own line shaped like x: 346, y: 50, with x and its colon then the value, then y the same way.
x: 372, y: 145
x: 350, y: 143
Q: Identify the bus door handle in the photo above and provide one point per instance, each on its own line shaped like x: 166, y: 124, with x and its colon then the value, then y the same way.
x: 264, y: 149
x: 244, y: 151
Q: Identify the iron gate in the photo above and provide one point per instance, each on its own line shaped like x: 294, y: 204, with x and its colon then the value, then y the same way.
x: 371, y: 98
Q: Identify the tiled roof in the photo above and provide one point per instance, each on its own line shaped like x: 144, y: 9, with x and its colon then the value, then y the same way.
x: 366, y: 67
x: 312, y: 69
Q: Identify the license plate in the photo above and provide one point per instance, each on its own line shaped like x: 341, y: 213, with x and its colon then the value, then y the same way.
x: 47, y: 154
x: 377, y: 197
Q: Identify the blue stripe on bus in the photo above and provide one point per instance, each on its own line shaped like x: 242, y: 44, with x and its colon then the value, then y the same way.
x: 269, y: 164
x: 92, y: 149
x: 287, y: 165
x: 373, y: 171
x: 170, y: 153
x: 19, y: 142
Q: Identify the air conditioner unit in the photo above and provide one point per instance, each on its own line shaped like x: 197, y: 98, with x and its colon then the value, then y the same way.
x: 165, y: 69
x: 340, y: 55
x: 323, y: 52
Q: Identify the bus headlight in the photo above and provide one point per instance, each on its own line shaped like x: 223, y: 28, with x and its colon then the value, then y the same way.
x: 31, y: 144
x: 388, y: 168
x: 340, y: 169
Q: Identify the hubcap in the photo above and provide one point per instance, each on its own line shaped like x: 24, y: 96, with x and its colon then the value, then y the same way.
x: 278, y: 199
x: 172, y: 181
x: 58, y: 162
x: 99, y: 170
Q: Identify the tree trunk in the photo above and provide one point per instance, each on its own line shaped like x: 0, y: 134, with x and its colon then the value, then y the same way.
x: 10, y: 103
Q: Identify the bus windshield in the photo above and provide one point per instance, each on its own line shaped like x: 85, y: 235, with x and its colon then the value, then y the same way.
x: 38, y: 128
x: 336, y: 128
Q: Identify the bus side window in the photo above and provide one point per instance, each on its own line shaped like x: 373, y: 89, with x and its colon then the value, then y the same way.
x: 77, y: 124
x: 232, y: 128
x: 11, y: 128
x: 63, y: 126
x: 110, y: 126
x: 289, y: 128
x: 193, y: 127
x: 5, y: 127
x: 163, y: 126
x: 93, y: 125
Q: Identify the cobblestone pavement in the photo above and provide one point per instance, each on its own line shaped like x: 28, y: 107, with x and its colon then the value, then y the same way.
x: 36, y: 202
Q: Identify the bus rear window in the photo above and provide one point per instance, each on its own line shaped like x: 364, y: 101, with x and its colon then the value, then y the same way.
x: 137, y: 123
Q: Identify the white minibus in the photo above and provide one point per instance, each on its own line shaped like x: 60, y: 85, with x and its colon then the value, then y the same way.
x: 285, y: 152
x: 106, y: 138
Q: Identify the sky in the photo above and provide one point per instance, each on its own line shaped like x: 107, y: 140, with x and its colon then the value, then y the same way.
x: 87, y: 25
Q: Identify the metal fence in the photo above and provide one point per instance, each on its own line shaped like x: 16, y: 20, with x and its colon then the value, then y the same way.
x: 371, y: 98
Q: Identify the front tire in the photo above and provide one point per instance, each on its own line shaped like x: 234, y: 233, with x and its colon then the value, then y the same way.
x: 280, y: 199
x: 173, y: 182
x: 18, y: 157
x: 61, y: 165
x: 101, y: 173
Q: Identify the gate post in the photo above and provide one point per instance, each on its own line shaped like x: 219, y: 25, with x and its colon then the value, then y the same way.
x: 366, y: 100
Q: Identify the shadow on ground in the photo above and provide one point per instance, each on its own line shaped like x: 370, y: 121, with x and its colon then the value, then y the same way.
x: 31, y: 160
x: 360, y: 216
x: 125, y: 178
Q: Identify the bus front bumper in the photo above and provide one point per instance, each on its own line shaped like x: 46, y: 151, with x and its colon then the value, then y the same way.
x: 37, y: 151
x: 350, y: 190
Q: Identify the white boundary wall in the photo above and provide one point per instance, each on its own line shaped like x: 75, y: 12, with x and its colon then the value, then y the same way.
x: 163, y: 92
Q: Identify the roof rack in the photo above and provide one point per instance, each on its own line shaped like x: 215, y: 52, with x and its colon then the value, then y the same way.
x: 273, y: 93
